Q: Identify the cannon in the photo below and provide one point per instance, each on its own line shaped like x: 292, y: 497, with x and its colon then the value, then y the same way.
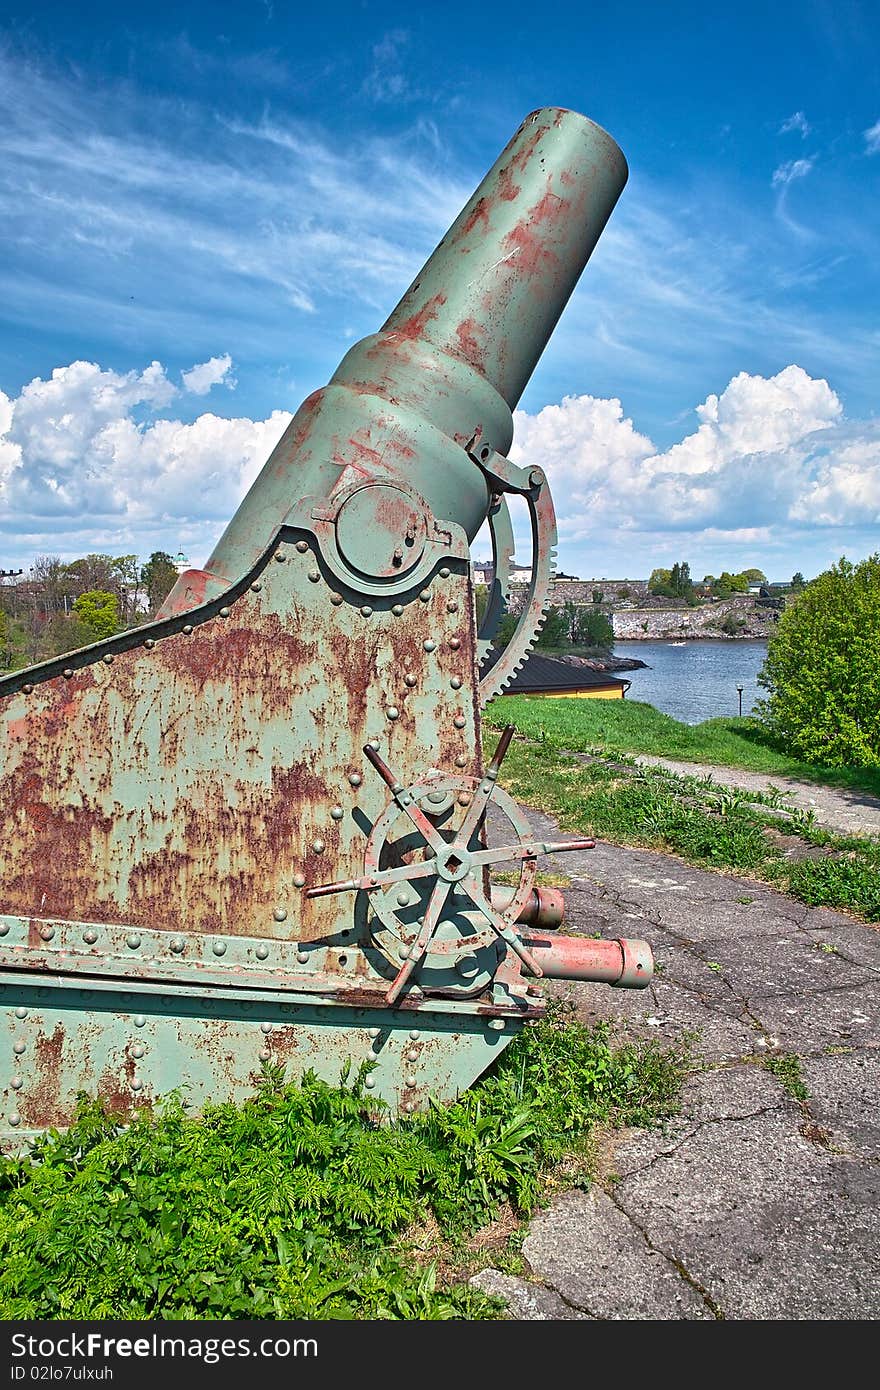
x: 260, y: 830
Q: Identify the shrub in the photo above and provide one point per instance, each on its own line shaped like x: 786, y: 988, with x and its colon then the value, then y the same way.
x: 822, y: 671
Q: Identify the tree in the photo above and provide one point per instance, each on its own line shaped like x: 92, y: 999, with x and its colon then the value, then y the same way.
x: 590, y: 628
x: 755, y: 576
x: 598, y: 595
x: 5, y: 642
x: 797, y: 581
x: 98, y: 610
x: 554, y: 633
x: 680, y: 581
x: 659, y: 579
x: 822, y: 671
x: 158, y: 576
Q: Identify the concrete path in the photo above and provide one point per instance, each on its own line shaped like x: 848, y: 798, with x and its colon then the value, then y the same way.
x: 750, y: 1204
x: 841, y: 809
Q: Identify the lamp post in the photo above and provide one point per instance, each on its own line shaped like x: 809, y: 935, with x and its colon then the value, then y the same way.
x: 739, y: 691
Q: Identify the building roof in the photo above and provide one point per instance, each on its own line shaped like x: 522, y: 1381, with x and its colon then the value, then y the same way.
x: 545, y: 673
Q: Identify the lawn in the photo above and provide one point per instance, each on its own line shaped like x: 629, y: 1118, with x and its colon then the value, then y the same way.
x: 631, y: 727
x: 754, y: 834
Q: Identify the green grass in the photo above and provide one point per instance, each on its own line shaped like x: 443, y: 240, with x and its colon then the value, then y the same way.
x: 300, y: 1203
x: 631, y: 727
x: 707, y: 824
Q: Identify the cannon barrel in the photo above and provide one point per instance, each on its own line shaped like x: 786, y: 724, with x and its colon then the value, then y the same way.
x: 452, y: 358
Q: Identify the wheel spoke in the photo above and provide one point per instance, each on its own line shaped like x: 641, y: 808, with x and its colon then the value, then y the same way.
x: 498, y: 924
x: 483, y: 794
x: 405, y: 799
x: 417, y: 950
x: 529, y: 849
x: 382, y: 878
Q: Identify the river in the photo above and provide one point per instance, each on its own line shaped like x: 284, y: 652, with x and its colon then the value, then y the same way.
x: 696, y: 681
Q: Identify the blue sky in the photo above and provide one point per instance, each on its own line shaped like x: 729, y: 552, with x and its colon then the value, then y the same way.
x: 243, y: 189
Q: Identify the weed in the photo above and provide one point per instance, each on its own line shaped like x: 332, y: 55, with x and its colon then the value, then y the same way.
x: 692, y: 817
x: 787, y: 1066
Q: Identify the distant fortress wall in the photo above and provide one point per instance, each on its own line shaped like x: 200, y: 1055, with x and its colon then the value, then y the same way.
x: 743, y: 616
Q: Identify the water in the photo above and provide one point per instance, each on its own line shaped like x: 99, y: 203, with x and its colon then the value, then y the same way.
x: 697, y: 681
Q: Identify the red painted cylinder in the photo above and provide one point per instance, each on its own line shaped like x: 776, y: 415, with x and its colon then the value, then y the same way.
x: 544, y: 907
x: 626, y: 964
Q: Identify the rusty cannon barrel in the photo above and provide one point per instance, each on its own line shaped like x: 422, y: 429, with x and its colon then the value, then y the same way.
x: 451, y: 360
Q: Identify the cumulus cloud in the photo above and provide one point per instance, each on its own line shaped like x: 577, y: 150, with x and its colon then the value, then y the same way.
x: 796, y: 121
x: 92, y: 459
x: 86, y: 460
x: 767, y: 452
x: 791, y: 170
x: 872, y: 138
x: 199, y: 379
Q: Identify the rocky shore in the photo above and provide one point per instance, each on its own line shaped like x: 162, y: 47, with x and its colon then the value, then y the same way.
x: 605, y: 663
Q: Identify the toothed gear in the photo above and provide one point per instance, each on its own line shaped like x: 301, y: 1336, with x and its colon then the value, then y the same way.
x: 543, y: 519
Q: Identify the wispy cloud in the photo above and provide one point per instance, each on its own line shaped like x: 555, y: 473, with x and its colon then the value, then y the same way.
x: 872, y: 138
x: 797, y: 121
x: 142, y: 205
x: 790, y: 171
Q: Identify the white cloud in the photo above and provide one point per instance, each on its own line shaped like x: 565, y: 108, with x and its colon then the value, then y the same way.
x: 770, y: 456
x: 872, y: 138
x: 89, y: 460
x: 797, y: 121
x: 80, y: 468
x: 199, y: 379
x: 791, y: 170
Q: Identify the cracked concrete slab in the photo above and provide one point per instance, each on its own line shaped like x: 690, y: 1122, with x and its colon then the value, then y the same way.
x: 752, y: 1203
x: 843, y: 1090
x: 527, y: 1301
x: 587, y: 1249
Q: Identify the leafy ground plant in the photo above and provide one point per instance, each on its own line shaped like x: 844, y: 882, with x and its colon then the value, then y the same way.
x: 297, y: 1203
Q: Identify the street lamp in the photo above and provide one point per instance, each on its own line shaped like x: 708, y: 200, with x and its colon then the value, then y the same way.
x: 739, y: 691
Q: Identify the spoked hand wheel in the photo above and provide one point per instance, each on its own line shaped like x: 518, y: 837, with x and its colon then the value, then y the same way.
x: 450, y: 874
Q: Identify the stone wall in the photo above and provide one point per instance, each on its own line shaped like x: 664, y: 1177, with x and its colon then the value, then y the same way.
x: 649, y: 624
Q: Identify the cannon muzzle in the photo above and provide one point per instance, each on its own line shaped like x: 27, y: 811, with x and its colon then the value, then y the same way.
x: 450, y: 362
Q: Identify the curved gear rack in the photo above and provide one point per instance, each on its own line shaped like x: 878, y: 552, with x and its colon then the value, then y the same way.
x: 531, y: 484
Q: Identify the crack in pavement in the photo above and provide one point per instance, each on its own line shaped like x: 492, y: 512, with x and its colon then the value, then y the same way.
x: 698, y: 1129
x: 680, y: 1269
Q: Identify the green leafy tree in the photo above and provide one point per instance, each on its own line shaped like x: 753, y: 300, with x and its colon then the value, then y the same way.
x: 797, y: 581
x: 822, y: 671
x: 591, y: 629
x: 554, y: 633
x: 98, y: 611
x: 658, y: 581
x: 755, y: 576
x: 598, y: 595
x: 158, y: 577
